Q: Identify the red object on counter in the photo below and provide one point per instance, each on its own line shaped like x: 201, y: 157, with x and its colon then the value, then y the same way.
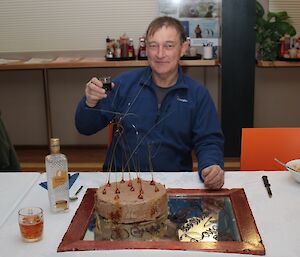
x: 282, y: 50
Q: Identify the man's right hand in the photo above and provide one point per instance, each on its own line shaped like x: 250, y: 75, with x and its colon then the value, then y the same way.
x: 94, y: 92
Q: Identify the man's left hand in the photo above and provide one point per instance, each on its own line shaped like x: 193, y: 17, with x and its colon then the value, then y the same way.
x: 213, y: 177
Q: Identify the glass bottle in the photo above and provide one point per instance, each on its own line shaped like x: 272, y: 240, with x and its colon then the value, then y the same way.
x: 287, y: 39
x: 188, y: 52
x: 107, y: 43
x: 117, y: 49
x: 142, y: 48
x: 124, y: 46
x: 282, y: 47
x: 130, y: 48
x: 57, y: 178
x: 109, y: 52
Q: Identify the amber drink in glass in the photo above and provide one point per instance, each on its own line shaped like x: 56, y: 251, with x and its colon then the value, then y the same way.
x: 31, y: 223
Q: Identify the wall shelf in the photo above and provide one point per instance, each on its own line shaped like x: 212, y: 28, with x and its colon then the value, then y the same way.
x: 278, y: 64
x: 77, y: 59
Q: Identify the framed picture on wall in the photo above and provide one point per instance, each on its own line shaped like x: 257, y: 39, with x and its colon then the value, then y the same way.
x: 201, y: 19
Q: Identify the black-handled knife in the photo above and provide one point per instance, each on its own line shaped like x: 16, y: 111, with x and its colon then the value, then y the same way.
x: 267, y: 185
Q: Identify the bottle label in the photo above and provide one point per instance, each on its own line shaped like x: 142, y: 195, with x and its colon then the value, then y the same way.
x: 60, y: 178
x: 143, y: 53
x: 62, y: 204
x: 130, y: 52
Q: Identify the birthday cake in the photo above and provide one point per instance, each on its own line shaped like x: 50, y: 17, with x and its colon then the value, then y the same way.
x: 131, y: 201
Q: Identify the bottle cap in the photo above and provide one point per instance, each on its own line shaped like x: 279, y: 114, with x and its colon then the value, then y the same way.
x: 54, y: 145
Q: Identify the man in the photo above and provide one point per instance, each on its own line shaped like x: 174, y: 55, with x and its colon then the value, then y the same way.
x: 160, y: 115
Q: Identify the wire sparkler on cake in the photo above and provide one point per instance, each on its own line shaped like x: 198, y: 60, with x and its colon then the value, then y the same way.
x: 131, y: 200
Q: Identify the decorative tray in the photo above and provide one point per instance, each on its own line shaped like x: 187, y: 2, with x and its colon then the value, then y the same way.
x: 198, y: 220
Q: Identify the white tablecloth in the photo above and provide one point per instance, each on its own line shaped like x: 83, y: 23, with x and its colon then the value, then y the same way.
x: 277, y: 218
x: 13, y: 188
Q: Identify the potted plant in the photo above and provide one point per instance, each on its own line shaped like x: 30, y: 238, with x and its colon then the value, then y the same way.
x: 269, y: 30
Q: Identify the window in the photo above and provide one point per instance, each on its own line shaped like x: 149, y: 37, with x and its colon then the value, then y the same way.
x: 293, y: 9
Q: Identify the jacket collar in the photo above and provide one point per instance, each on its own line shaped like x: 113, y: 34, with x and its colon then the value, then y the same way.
x: 147, y: 78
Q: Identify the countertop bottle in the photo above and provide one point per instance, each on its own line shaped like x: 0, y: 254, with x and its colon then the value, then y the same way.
x: 131, y: 48
x: 281, y: 47
x: 109, y: 48
x: 57, y: 178
x: 142, y: 48
x: 124, y: 46
x: 117, y: 49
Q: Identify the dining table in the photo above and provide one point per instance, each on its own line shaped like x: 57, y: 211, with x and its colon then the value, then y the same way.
x: 277, y: 218
x: 13, y: 188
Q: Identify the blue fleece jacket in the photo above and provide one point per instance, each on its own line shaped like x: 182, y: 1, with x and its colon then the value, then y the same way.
x: 147, y: 138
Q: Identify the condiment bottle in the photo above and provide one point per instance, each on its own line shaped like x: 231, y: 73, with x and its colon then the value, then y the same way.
x: 282, y: 47
x: 142, y: 48
x: 188, y: 40
x: 109, y: 49
x: 117, y: 49
x: 287, y: 39
x: 124, y: 46
x: 131, y: 48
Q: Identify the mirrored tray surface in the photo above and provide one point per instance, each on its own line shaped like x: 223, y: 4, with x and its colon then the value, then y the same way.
x: 219, y: 221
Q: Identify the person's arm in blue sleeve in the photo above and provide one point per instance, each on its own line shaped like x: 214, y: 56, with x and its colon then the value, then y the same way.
x: 209, y: 143
x: 89, y: 118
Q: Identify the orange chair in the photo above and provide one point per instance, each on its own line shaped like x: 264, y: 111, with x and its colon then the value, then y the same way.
x: 260, y: 146
x: 109, y: 134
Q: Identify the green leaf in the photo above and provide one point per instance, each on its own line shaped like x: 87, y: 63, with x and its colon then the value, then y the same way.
x: 286, y: 28
x: 259, y: 10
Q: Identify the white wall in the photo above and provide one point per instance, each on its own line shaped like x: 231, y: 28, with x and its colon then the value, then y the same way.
x: 45, y: 25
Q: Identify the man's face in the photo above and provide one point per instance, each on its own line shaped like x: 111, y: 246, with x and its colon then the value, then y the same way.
x: 164, y: 50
